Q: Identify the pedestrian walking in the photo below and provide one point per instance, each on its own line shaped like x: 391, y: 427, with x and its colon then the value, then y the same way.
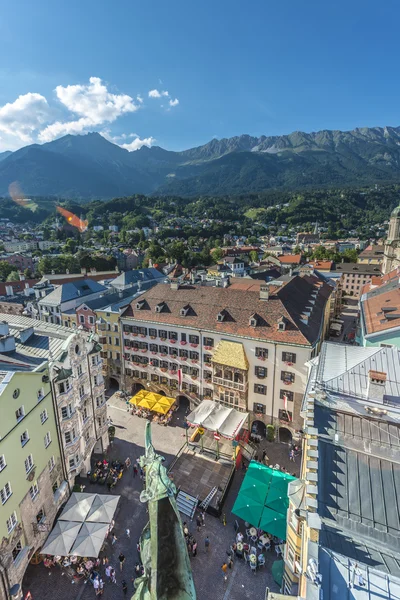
x: 114, y: 539
x: 138, y: 548
x: 135, y: 470
x: 203, y: 517
x: 138, y: 570
x: 291, y: 455
x: 207, y: 544
x: 124, y: 587
x: 230, y: 562
x: 121, y: 559
x: 198, y: 522
x: 105, y: 561
x: 108, y: 572
x: 224, y: 570
x: 127, y: 462
x: 141, y: 473
x: 101, y: 587
x: 113, y: 576
x: 194, y: 548
x: 96, y: 585
x: 128, y: 533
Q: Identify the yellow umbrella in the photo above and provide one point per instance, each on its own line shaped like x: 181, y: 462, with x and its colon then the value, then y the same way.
x: 160, y: 408
x: 146, y: 403
x: 137, y: 397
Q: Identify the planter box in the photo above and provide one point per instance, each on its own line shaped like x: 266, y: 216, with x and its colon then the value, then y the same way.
x: 183, y: 343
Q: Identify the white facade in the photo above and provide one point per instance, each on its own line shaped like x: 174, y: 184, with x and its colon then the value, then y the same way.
x: 78, y: 388
x: 265, y: 402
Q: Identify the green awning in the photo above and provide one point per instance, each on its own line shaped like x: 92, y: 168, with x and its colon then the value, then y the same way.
x: 273, y: 522
x: 254, y: 489
x: 277, y: 499
x: 247, y: 509
x: 277, y: 571
x: 259, y: 472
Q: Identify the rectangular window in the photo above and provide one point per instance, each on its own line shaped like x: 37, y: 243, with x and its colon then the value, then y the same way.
x: 262, y: 353
x: 289, y: 357
x: 16, y: 550
x: 81, y: 319
x: 33, y: 491
x: 287, y: 377
x: 64, y: 386
x: 5, y: 492
x: 153, y: 332
x: 172, y: 335
x: 116, y: 328
x: 143, y: 330
x: 47, y: 439
x: 110, y: 340
x: 52, y: 463
x: 3, y: 463
x: 79, y: 370
x: 116, y: 342
x: 96, y: 380
x: 81, y: 391
x: 183, y: 337
x: 183, y: 353
x: 154, y: 378
x: 24, y: 438
x: 209, y: 342
x: 163, y: 349
x: 260, y: 389
x: 40, y: 517
x: 289, y: 395
x: 162, y: 334
x: 43, y: 416
x: 194, y: 339
x: 95, y: 360
x: 259, y: 408
x: 260, y: 372
x: 11, y: 522
x: 19, y: 414
x: 29, y: 463
x: 207, y: 359
x: 71, y: 463
x: 284, y: 415
x: 99, y: 401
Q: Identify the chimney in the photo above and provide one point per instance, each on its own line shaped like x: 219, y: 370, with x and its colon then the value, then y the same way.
x: 21, y: 276
x: 9, y: 290
x: 25, y: 334
x: 174, y: 285
x: 7, y: 344
x: 376, y: 386
x: 264, y: 292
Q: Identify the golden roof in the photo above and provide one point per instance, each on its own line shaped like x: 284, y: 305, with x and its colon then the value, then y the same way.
x: 231, y: 354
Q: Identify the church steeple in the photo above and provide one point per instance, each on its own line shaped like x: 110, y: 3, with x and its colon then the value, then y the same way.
x: 394, y: 225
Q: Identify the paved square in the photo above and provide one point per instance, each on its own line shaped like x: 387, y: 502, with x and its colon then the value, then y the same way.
x: 210, y: 585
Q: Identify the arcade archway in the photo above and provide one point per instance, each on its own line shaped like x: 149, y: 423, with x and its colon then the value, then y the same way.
x: 285, y: 435
x: 259, y: 428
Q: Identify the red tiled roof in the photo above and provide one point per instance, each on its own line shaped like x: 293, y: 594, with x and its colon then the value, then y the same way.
x: 325, y: 265
x: 290, y: 259
x: 376, y: 314
x: 17, y: 286
x: 238, y: 304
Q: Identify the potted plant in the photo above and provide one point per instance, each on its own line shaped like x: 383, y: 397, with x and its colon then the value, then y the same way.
x: 183, y: 343
x: 173, y: 341
x: 194, y: 345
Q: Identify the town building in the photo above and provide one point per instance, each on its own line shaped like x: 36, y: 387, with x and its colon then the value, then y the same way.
x: 354, y: 276
x: 307, y: 239
x: 391, y: 253
x: 20, y: 246
x: 243, y: 346
x: 32, y: 474
x: 76, y: 380
x: 239, y: 250
x: 379, y: 323
x: 371, y: 255
x: 137, y: 277
x: 343, y: 521
x: 289, y: 261
x: 323, y: 266
x: 67, y: 296
x: 20, y: 261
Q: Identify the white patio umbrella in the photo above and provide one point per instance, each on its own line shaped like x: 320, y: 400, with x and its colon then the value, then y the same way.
x: 61, y: 538
x: 89, y: 540
x: 77, y: 507
x: 103, y: 508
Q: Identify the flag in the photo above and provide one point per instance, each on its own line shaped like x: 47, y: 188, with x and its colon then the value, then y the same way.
x: 180, y: 380
x: 285, y: 401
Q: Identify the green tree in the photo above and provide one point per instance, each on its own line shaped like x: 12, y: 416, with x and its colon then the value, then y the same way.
x: 5, y: 269
x: 217, y: 254
x: 13, y: 276
x: 253, y: 255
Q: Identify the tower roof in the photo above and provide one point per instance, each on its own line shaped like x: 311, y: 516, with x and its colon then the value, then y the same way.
x: 396, y: 212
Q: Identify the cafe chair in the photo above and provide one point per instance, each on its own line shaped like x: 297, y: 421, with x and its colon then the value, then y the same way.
x: 261, y: 560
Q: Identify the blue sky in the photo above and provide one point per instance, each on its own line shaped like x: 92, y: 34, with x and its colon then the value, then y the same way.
x: 229, y: 67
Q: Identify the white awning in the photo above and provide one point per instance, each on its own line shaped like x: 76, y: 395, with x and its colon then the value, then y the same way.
x: 89, y: 540
x: 102, y: 509
x: 77, y: 507
x: 215, y: 417
x: 61, y: 539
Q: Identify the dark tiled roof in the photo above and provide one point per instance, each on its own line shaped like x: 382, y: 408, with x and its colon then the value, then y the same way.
x: 289, y: 301
x: 357, y: 268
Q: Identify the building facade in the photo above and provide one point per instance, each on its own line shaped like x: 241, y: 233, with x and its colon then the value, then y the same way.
x: 354, y: 276
x: 343, y: 517
x: 243, y: 348
x: 391, y: 254
x: 32, y: 478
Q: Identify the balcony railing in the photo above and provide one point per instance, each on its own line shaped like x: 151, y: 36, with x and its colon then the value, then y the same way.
x: 233, y: 385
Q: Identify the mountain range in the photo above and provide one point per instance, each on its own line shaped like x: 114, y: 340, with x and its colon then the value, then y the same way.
x: 89, y: 166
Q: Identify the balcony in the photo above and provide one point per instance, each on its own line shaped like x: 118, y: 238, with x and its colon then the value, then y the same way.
x: 233, y: 385
x: 72, y: 447
x: 66, y: 396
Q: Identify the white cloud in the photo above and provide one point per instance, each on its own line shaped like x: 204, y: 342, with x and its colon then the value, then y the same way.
x: 139, y: 98
x: 135, y: 144
x: 154, y: 94
x: 93, y: 103
x: 174, y: 102
x: 20, y: 120
x: 138, y: 143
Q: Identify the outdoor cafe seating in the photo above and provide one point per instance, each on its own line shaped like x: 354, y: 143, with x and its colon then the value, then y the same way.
x: 153, y: 406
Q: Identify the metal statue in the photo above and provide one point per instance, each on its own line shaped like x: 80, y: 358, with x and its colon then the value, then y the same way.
x: 163, y: 550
